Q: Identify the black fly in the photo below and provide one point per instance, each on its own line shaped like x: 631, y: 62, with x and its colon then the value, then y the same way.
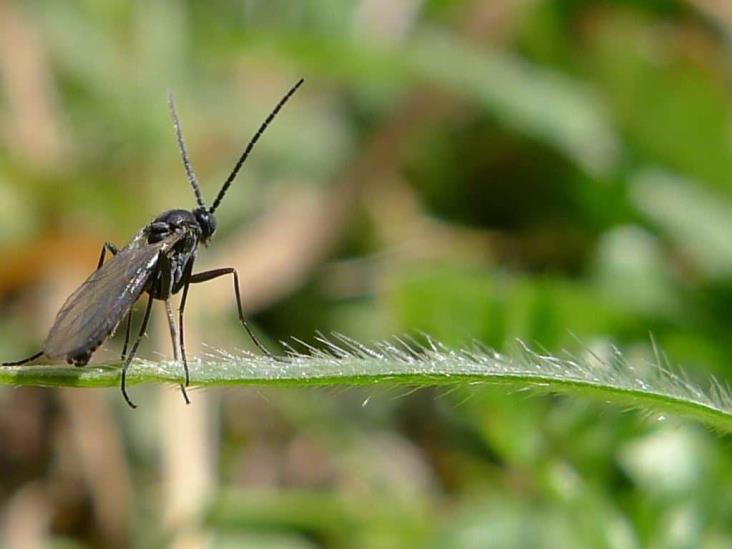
x: 157, y: 261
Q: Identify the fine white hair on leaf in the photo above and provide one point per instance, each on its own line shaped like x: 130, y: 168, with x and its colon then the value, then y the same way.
x: 337, y: 360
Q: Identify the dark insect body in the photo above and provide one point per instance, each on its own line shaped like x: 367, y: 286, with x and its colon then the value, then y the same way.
x: 158, y: 262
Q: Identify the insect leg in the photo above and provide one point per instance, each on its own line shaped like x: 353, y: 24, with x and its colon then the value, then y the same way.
x: 107, y: 247
x: 174, y: 340
x: 173, y: 331
x: 133, y: 352
x: 23, y: 361
x: 181, y: 310
x: 127, y: 334
x: 216, y: 273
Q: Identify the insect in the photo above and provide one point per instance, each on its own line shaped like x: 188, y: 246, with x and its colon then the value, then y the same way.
x: 158, y: 261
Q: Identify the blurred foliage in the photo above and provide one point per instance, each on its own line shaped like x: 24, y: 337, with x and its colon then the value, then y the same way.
x: 488, y: 169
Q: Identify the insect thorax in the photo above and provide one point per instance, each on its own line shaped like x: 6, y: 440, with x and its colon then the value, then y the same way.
x: 174, y: 261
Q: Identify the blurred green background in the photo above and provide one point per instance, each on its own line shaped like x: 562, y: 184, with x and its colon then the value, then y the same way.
x: 471, y: 169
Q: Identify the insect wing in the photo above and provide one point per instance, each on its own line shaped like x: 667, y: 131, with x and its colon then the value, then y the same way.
x: 93, y: 311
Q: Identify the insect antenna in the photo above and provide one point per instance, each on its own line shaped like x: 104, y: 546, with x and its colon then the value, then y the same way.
x: 250, y: 145
x: 183, y: 152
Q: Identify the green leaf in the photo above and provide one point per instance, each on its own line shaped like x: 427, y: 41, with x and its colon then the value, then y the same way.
x: 697, y: 220
x: 528, y: 98
x: 343, y: 361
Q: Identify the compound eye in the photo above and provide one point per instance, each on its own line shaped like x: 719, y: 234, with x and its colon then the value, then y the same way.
x: 206, y: 222
x: 210, y: 225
